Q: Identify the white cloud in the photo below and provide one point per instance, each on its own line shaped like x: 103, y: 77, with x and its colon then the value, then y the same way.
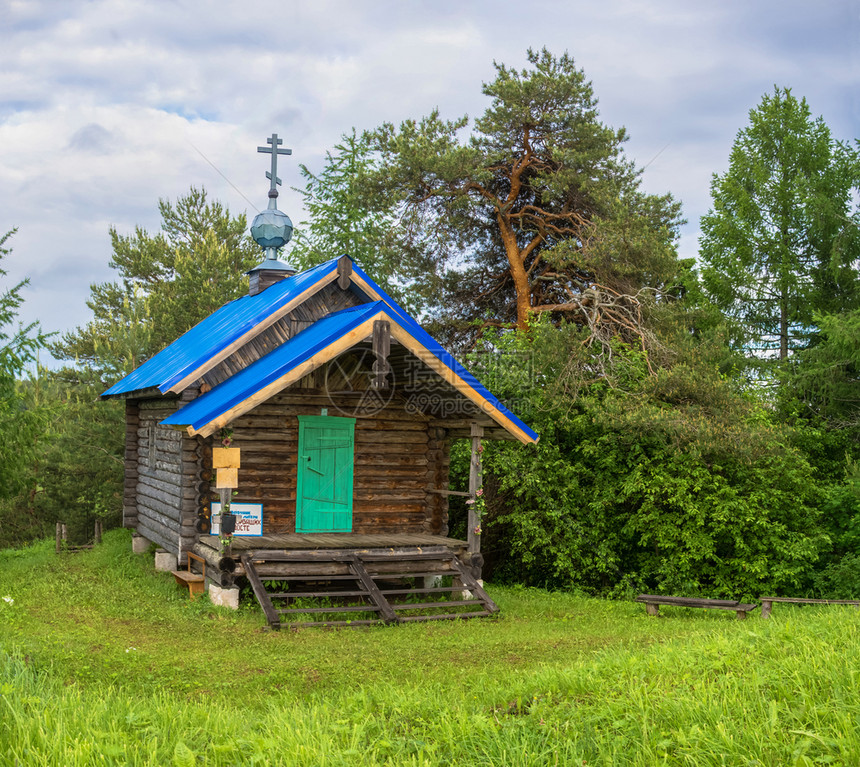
x: 104, y: 101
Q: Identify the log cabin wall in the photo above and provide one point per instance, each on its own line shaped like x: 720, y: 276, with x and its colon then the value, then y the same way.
x: 398, y: 456
x: 129, y: 493
x: 438, y: 468
x: 167, y: 465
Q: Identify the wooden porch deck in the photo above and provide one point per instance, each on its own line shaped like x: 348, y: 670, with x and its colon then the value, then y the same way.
x: 313, y: 541
x: 378, y: 575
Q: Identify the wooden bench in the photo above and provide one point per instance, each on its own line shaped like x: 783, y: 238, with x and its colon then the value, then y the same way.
x: 767, y: 603
x: 196, y: 582
x: 653, y: 601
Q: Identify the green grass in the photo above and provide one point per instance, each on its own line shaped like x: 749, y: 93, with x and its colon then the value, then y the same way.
x: 103, y: 661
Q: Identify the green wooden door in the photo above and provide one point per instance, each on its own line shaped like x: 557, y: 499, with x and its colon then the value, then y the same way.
x: 324, y: 480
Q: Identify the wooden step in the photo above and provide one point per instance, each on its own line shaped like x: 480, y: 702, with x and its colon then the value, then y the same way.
x: 446, y: 617
x: 421, y: 574
x: 340, y: 609
x: 305, y: 577
x: 365, y: 568
x: 317, y: 594
x: 429, y: 605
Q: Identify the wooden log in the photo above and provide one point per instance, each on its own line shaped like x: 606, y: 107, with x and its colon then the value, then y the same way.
x: 388, y: 497
x: 157, y: 534
x: 147, y: 488
x: 392, y: 461
x: 361, y: 505
x: 171, y: 476
x: 159, y: 462
x: 129, y: 515
x: 368, y: 437
x: 393, y: 522
x: 389, y: 424
x: 213, y: 557
x: 412, y: 484
x: 154, y: 518
x: 148, y: 505
x: 311, y: 570
x: 167, y: 404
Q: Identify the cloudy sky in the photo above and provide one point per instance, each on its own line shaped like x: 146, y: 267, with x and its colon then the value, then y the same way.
x: 108, y: 105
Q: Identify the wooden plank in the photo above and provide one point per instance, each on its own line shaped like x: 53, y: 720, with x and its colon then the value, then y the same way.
x: 186, y: 577
x: 446, y: 617
x: 309, y: 555
x: 407, y: 570
x: 303, y: 570
x: 802, y: 601
x: 435, y: 605
x: 442, y: 553
x: 260, y: 592
x: 433, y: 590
x: 303, y: 575
x: 685, y: 601
x: 338, y: 609
x: 472, y: 585
x: 381, y: 346
x: 317, y: 594
x: 344, y: 272
x: 373, y: 591
x: 333, y: 624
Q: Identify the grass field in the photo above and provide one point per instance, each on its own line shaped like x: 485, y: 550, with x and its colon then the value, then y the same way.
x: 104, y: 662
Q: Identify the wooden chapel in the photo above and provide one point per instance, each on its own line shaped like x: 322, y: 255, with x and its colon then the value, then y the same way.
x: 339, y: 411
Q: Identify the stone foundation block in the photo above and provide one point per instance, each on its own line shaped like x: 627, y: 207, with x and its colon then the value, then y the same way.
x: 224, y: 597
x: 139, y: 544
x: 165, y: 562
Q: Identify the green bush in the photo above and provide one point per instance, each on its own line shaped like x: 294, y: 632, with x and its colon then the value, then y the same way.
x: 672, y: 481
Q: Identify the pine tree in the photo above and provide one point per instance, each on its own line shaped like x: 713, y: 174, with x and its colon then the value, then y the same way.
x: 537, y: 210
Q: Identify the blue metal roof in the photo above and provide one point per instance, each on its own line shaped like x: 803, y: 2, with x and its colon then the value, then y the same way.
x: 229, y: 323
x: 214, y: 334
x: 277, y: 363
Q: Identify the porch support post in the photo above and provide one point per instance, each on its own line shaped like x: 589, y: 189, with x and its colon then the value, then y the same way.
x: 475, y: 483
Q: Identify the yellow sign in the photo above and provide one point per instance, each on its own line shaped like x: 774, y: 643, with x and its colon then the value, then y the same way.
x: 225, y: 458
x: 227, y: 478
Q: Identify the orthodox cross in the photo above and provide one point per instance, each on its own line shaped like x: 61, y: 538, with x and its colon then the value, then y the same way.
x: 274, y: 151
